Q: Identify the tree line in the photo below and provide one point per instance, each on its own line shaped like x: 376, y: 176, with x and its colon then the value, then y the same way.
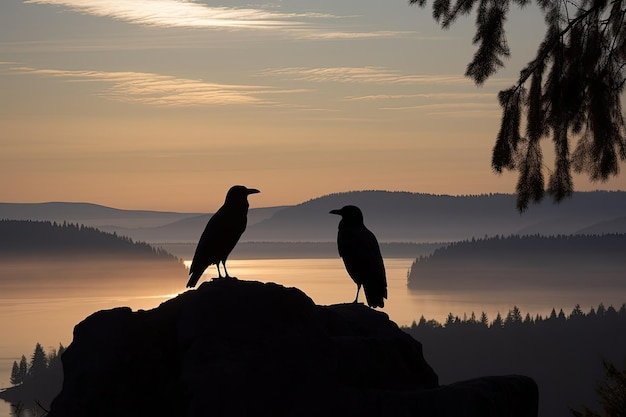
x: 516, y: 249
x: 20, y: 238
x: 39, y: 363
x: 524, y: 259
x: 514, y: 319
x: 578, y: 359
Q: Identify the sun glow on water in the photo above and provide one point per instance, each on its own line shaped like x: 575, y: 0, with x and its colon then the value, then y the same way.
x: 49, y: 317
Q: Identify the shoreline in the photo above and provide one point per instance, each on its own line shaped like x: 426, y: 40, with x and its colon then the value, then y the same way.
x: 300, y: 250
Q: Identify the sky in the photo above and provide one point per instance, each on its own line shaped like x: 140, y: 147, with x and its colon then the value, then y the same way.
x: 164, y: 104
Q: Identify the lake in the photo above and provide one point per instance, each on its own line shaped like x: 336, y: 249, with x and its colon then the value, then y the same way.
x: 49, y: 319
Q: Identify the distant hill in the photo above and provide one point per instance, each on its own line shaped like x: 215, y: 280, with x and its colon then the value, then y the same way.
x: 392, y: 216
x: 35, y: 256
x: 140, y: 225
x: 89, y: 214
x: 572, y: 261
x: 35, y: 239
x: 187, y: 229
x: 617, y: 225
x: 402, y: 216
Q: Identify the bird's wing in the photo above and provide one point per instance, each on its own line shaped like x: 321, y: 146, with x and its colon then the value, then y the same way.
x: 218, y: 239
x: 361, y: 255
x: 360, y: 252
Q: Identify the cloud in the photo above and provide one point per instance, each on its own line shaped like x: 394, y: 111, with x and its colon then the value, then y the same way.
x: 177, y: 13
x: 193, y: 14
x: 436, y: 96
x: 468, y: 109
x: 362, y: 75
x: 160, y: 90
x: 314, y: 35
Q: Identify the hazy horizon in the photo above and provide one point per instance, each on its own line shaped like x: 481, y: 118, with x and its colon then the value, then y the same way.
x: 218, y: 200
x: 166, y: 104
x: 163, y: 105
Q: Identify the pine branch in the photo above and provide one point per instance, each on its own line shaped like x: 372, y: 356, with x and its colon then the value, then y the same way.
x: 529, y: 70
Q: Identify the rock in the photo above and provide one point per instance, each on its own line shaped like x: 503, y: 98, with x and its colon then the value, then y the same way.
x: 244, y: 348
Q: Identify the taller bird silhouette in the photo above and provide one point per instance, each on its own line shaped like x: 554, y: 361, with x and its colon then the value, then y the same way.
x: 360, y: 252
x: 221, y: 233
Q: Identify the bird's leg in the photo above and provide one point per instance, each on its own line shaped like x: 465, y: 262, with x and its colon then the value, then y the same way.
x: 218, y: 269
x: 225, y: 271
x: 358, y: 288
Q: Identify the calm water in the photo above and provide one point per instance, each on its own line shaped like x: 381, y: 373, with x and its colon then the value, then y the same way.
x: 24, y: 321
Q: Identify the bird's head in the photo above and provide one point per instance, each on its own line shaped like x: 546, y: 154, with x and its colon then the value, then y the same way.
x: 351, y: 214
x: 239, y: 193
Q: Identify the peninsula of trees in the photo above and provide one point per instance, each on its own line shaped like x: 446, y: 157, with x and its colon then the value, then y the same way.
x: 35, y: 381
x: 524, y: 261
x: 25, y: 238
x: 44, y: 256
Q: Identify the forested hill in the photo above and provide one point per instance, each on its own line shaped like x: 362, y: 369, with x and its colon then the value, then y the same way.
x: 415, y: 217
x: 393, y: 216
x: 520, y: 261
x: 43, y: 239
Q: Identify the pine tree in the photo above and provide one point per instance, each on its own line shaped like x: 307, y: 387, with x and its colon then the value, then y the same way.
x: 23, y: 368
x: 552, y: 314
x: 514, y: 317
x: 484, y: 320
x: 39, y: 361
x: 472, y: 319
x: 571, y: 91
x: 577, y: 313
x: 527, y: 319
x: 497, y: 322
x: 611, y: 312
x: 16, y: 378
x: 611, y: 393
x: 52, y: 357
x: 449, y: 320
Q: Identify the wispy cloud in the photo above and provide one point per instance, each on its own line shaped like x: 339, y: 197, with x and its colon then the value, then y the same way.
x: 458, y: 109
x: 160, y: 90
x: 435, y: 96
x: 321, y: 35
x: 369, y: 75
x: 181, y: 13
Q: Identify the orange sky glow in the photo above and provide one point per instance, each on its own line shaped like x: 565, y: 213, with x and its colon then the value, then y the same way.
x: 163, y: 105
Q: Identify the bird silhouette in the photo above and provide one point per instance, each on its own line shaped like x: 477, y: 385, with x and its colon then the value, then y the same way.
x: 360, y: 252
x: 221, y: 233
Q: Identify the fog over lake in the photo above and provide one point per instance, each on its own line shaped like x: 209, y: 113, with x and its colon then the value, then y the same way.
x: 49, y: 317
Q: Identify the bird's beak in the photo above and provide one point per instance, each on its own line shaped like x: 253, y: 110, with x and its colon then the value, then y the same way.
x: 252, y: 191
x: 335, y: 212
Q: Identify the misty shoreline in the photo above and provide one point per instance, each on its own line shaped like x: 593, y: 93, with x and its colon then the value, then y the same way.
x: 301, y: 250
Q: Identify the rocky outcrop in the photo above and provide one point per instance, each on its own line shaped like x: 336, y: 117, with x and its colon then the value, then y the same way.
x: 244, y: 348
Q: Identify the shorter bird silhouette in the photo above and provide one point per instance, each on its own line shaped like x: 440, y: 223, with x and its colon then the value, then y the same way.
x: 360, y: 252
x: 221, y: 233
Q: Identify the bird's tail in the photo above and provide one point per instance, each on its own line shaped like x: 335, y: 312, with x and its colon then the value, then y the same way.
x: 193, y: 279
x: 379, y: 302
x: 376, y: 298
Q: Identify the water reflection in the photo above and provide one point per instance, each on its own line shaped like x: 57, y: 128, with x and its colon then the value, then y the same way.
x: 327, y: 282
x: 49, y: 318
